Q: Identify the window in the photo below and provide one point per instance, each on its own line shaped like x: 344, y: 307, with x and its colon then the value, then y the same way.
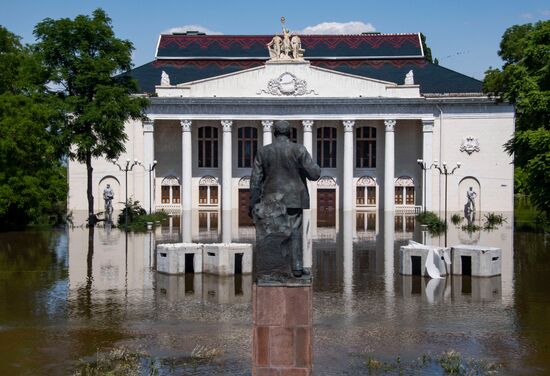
x: 247, y: 146
x: 208, y: 147
x: 165, y: 194
x: 366, y: 191
x: 409, y: 195
x: 371, y: 195
x: 203, y: 194
x: 404, y: 191
x: 208, y: 191
x: 170, y: 190
x: 360, y: 196
x: 365, y: 147
x: 175, y: 194
x: 326, y: 147
x: 399, y: 195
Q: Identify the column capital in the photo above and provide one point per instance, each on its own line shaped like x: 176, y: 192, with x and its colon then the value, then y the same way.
x: 390, y: 125
x: 186, y: 125
x: 148, y: 125
x: 227, y: 124
x: 307, y: 124
x: 427, y: 125
x: 267, y: 124
x: 348, y: 125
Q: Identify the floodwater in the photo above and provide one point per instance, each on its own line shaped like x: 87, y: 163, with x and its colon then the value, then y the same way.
x: 66, y: 297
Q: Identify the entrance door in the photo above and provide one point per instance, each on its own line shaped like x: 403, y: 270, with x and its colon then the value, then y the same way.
x: 326, y: 207
x: 244, y: 202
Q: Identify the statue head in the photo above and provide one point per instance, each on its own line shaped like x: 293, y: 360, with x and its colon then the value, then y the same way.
x: 281, y: 127
x: 108, y: 185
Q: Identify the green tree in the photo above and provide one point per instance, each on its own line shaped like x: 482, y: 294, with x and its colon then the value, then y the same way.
x: 33, y: 183
x: 84, y: 60
x: 524, y: 80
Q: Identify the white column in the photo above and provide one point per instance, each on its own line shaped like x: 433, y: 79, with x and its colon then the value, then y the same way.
x: 148, y: 156
x: 307, y: 245
x: 226, y: 181
x: 186, y: 180
x: 348, y: 165
x: 427, y: 152
x: 389, y: 166
x: 267, y: 125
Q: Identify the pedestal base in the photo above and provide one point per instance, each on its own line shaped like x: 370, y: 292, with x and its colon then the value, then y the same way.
x: 282, y: 338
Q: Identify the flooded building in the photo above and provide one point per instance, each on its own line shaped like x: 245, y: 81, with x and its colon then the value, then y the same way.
x: 367, y: 107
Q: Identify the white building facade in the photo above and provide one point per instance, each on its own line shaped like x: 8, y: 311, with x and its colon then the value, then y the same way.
x: 211, y: 113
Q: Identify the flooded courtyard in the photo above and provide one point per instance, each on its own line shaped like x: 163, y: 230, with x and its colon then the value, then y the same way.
x: 66, y: 297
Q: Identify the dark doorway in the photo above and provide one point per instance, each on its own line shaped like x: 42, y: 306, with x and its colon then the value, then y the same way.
x: 189, y: 263
x: 326, y: 207
x: 244, y: 202
x: 466, y: 265
x: 416, y: 285
x: 239, y: 263
x: 416, y: 265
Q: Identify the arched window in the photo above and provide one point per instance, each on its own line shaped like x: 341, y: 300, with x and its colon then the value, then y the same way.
x: 404, y: 191
x: 365, y: 147
x: 170, y: 190
x: 326, y: 147
x: 247, y: 146
x: 366, y: 191
x: 208, y: 191
x: 208, y: 147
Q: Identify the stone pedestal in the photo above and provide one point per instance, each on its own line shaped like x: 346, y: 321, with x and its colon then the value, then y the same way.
x: 282, y: 337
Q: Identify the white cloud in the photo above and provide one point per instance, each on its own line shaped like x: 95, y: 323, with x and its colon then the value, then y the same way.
x: 527, y: 15
x: 184, y: 28
x: 352, y: 27
x: 545, y: 12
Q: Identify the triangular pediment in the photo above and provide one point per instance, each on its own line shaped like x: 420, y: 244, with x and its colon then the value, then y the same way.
x: 280, y: 80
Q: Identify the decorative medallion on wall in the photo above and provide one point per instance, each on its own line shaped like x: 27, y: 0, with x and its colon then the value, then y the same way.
x: 287, y: 84
x: 208, y: 180
x: 469, y: 145
x: 404, y: 181
x: 366, y: 181
x: 326, y: 182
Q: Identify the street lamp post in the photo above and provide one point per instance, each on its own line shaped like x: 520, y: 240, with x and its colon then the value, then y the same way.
x: 424, y: 166
x: 444, y: 171
x: 128, y: 166
x: 150, y: 169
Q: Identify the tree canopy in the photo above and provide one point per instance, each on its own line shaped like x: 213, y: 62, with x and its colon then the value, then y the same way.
x: 524, y: 80
x: 84, y: 61
x: 33, y: 185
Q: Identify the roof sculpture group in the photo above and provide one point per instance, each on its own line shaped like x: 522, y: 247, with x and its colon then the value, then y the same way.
x: 285, y: 47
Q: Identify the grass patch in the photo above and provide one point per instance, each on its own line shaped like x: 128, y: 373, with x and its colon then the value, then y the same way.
x: 448, y: 363
x: 123, y: 362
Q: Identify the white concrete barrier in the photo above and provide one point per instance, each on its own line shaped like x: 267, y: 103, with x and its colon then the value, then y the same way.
x: 227, y: 259
x: 475, y: 260
x: 176, y: 258
x: 420, y: 259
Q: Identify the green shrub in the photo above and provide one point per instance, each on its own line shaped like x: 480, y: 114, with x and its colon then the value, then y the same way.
x: 432, y: 221
x: 456, y: 219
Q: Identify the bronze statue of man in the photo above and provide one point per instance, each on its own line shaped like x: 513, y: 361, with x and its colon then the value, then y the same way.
x: 278, y: 196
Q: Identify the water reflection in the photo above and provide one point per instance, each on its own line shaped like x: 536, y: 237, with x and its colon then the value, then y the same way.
x: 81, y: 290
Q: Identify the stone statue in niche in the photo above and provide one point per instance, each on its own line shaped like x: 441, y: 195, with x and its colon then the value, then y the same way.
x: 108, y: 196
x: 164, y: 79
x: 471, y: 197
x: 278, y: 196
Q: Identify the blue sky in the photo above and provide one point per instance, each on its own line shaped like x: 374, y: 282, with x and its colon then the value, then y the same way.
x: 463, y: 34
